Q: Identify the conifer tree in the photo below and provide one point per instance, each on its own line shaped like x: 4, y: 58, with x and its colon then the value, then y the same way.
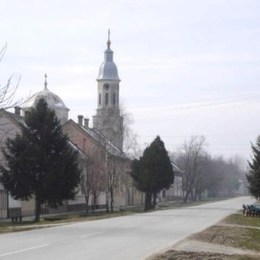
x: 40, y: 163
x: 153, y: 171
x: 253, y: 175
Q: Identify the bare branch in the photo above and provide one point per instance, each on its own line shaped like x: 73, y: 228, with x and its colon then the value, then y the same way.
x: 7, y: 92
x: 2, y: 51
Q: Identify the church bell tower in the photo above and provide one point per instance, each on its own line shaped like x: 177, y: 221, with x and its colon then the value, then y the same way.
x: 108, y: 119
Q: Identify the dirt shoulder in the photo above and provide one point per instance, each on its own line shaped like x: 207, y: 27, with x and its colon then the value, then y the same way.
x: 236, y: 237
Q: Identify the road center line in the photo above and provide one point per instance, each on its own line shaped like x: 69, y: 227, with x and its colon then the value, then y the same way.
x: 24, y: 250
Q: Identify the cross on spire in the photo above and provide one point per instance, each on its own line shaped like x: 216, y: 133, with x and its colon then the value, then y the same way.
x: 45, y: 82
x: 108, y: 40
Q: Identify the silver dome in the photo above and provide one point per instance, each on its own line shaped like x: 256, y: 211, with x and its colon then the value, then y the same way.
x: 108, y: 69
x: 54, y: 102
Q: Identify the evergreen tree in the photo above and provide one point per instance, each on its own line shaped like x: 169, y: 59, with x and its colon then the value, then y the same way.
x: 253, y: 176
x: 40, y: 162
x: 153, y: 171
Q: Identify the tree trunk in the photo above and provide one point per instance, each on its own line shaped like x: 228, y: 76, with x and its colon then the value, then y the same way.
x: 94, y: 202
x: 111, y: 201
x: 148, y: 201
x: 154, y: 199
x: 186, y: 192
x: 186, y: 197
x: 37, y: 209
x: 192, y: 195
x: 87, y: 202
x: 107, y: 203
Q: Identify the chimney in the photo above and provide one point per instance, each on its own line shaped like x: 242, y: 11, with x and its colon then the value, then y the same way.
x: 17, y: 111
x: 80, y: 120
x: 86, y: 120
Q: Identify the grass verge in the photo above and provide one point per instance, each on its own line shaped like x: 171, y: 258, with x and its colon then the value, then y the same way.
x: 50, y: 221
x: 235, y: 231
x: 242, y: 232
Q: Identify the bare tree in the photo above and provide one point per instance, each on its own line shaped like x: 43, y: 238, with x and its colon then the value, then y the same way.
x: 190, y: 159
x: 112, y: 177
x: 97, y: 180
x: 93, y: 180
x: 7, y: 91
x: 7, y: 95
x: 130, y: 144
x: 204, y: 174
x: 117, y: 131
x: 116, y: 168
x: 204, y: 177
x: 85, y: 186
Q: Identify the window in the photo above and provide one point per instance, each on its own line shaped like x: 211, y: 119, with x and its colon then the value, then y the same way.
x: 106, y: 86
x: 106, y: 99
x: 114, y: 98
x: 99, y: 99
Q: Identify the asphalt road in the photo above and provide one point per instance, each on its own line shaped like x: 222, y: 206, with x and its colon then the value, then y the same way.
x: 130, y: 237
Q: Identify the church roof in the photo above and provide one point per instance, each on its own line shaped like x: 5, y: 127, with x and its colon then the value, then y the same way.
x: 110, y: 147
x: 16, y: 119
x: 177, y: 170
x: 77, y: 149
x: 108, y: 69
x: 100, y: 139
x: 53, y: 100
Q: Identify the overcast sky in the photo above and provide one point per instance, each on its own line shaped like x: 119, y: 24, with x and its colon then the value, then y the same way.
x: 187, y: 67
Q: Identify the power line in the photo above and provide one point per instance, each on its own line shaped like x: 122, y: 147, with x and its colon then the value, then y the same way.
x: 233, y: 101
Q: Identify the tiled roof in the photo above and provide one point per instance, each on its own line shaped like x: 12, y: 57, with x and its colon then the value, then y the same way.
x: 102, y: 140
x: 176, y: 169
x: 20, y: 120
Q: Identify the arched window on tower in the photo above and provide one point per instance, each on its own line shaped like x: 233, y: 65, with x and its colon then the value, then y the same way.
x: 99, y: 99
x: 114, y: 99
x: 106, y: 99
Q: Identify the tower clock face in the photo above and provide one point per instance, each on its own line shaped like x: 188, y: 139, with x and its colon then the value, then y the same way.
x: 106, y: 86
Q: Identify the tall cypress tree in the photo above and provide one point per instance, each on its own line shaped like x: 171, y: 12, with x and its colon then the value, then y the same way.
x: 253, y: 175
x: 153, y: 171
x: 40, y: 162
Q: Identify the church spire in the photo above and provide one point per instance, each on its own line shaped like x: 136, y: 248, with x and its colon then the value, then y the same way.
x: 108, y: 69
x: 108, y: 119
x: 108, y: 40
x: 45, y: 82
